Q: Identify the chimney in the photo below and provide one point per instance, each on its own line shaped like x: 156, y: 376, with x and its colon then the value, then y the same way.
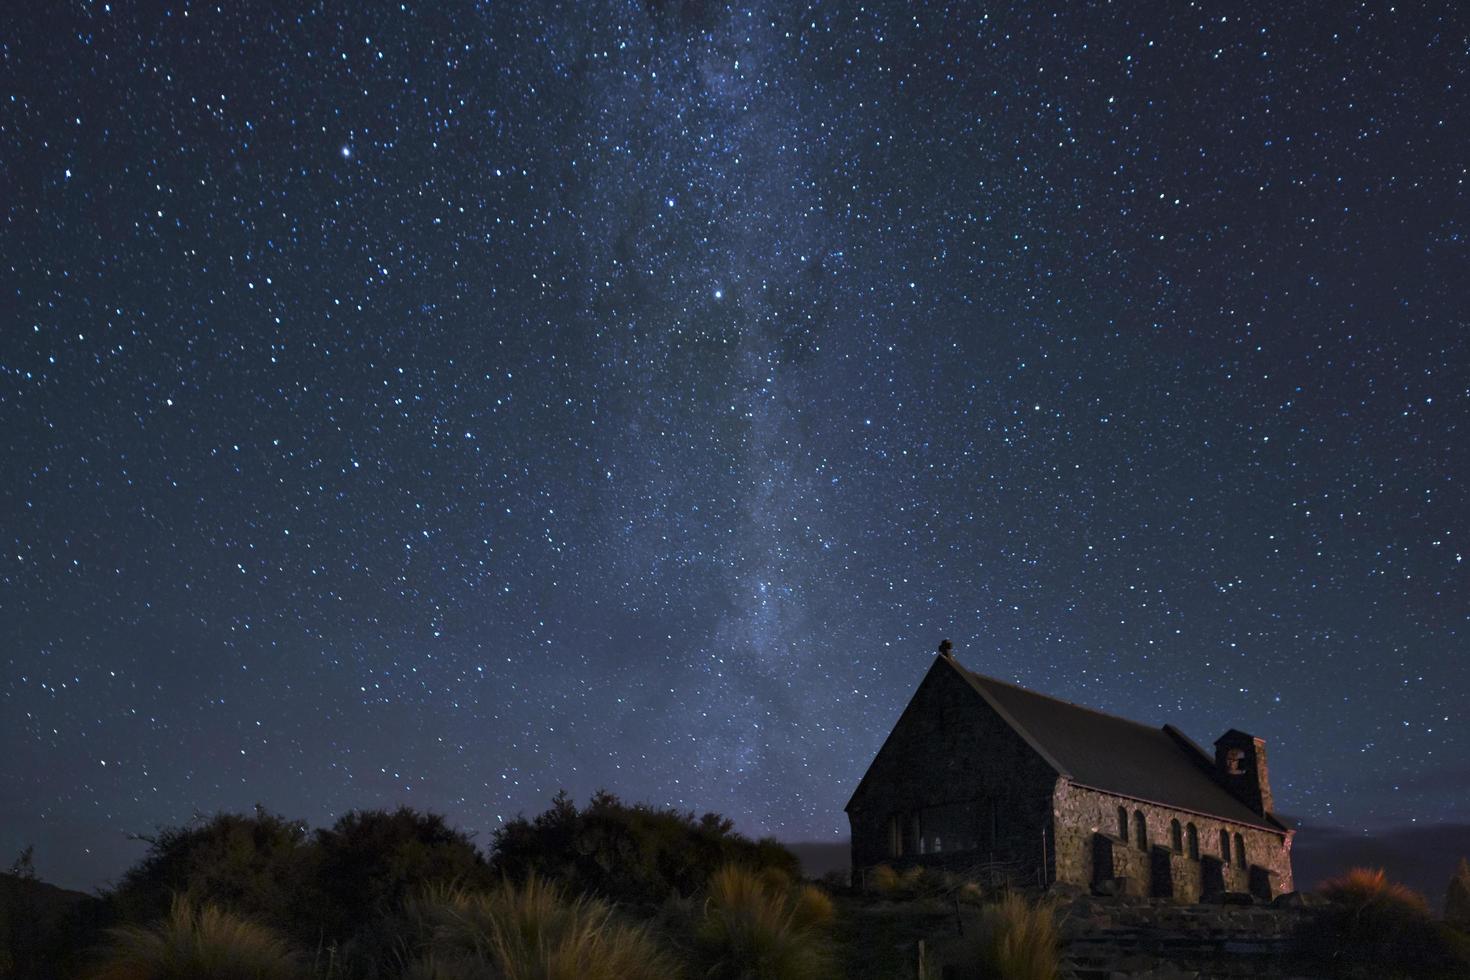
x: 946, y: 649
x: 1240, y: 763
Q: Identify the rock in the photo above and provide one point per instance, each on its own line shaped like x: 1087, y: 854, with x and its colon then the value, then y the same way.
x: 1289, y: 900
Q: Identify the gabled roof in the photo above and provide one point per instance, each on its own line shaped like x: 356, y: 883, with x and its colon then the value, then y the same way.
x: 1115, y: 755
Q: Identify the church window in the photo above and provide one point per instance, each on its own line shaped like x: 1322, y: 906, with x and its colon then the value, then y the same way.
x: 1239, y: 850
x: 1140, y: 830
x: 1176, y: 836
x: 1123, y: 822
x: 1191, y: 835
x: 1225, y: 846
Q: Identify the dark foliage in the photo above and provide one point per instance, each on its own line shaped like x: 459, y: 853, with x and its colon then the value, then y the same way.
x: 338, y: 886
x: 259, y: 864
x: 629, y: 853
x: 370, y: 861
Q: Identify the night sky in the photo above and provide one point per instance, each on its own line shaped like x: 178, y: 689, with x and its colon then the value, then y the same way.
x: 446, y: 404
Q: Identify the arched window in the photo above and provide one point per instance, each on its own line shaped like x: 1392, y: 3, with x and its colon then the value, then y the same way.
x: 1123, y: 822
x: 1140, y: 830
x: 1191, y: 836
x: 1240, y: 850
x: 1176, y: 836
x: 1225, y: 845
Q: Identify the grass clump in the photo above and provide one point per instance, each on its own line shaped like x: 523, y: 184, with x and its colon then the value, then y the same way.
x: 531, y: 931
x: 907, y: 883
x: 1371, y: 927
x: 754, y: 930
x: 197, y: 943
x: 1016, y: 940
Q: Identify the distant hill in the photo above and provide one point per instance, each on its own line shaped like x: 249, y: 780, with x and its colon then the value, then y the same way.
x: 42, y: 927
x: 819, y: 857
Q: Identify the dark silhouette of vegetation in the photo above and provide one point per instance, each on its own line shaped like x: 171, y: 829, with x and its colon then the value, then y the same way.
x: 334, y: 888
x: 258, y: 864
x: 24, y: 865
x: 369, y: 862
x: 1371, y: 927
x: 628, y: 853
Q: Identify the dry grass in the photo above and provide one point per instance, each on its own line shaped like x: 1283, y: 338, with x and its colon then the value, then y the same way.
x: 532, y: 932
x: 1017, y: 940
x: 197, y: 943
x: 1368, y: 890
x: 885, y: 880
x: 753, y: 931
x: 812, y: 908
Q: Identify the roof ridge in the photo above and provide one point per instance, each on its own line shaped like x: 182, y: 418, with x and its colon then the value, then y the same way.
x: 1071, y: 704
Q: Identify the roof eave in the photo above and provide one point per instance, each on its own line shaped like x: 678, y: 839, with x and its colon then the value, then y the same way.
x: 1268, y: 823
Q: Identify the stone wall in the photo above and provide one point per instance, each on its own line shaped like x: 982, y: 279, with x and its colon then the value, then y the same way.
x: 1083, y: 815
x: 952, y: 761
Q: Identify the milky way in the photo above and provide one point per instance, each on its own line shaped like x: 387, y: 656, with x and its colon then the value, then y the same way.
x: 445, y: 405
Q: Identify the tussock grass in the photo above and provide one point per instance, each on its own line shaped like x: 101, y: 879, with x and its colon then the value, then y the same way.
x: 197, y: 943
x: 753, y: 931
x: 531, y: 931
x: 1016, y: 940
x: 885, y: 880
x: 812, y: 908
x: 1368, y: 891
x: 1374, y: 928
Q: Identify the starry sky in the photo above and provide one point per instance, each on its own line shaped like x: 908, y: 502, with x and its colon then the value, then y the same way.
x: 444, y: 404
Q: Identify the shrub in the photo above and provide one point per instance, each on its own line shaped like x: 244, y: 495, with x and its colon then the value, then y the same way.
x: 258, y: 865
x: 531, y: 932
x: 885, y: 880
x: 197, y: 943
x: 1457, y: 898
x: 1016, y: 940
x: 628, y: 853
x: 753, y: 931
x: 369, y: 862
x: 1372, y: 927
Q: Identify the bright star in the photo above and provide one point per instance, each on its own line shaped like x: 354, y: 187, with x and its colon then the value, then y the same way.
x: 347, y: 153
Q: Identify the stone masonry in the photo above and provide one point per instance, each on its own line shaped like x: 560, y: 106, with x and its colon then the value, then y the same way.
x: 977, y: 773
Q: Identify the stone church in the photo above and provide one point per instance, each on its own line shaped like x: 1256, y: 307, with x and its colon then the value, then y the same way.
x: 982, y: 774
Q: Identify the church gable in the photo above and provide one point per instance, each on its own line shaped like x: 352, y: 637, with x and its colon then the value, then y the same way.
x: 952, y: 777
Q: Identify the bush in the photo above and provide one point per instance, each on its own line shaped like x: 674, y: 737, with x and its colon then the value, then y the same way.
x: 531, y: 932
x: 258, y: 865
x: 1016, y: 940
x: 753, y: 931
x: 628, y: 853
x: 197, y: 943
x: 341, y: 887
x: 1372, y: 927
x: 370, y: 861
